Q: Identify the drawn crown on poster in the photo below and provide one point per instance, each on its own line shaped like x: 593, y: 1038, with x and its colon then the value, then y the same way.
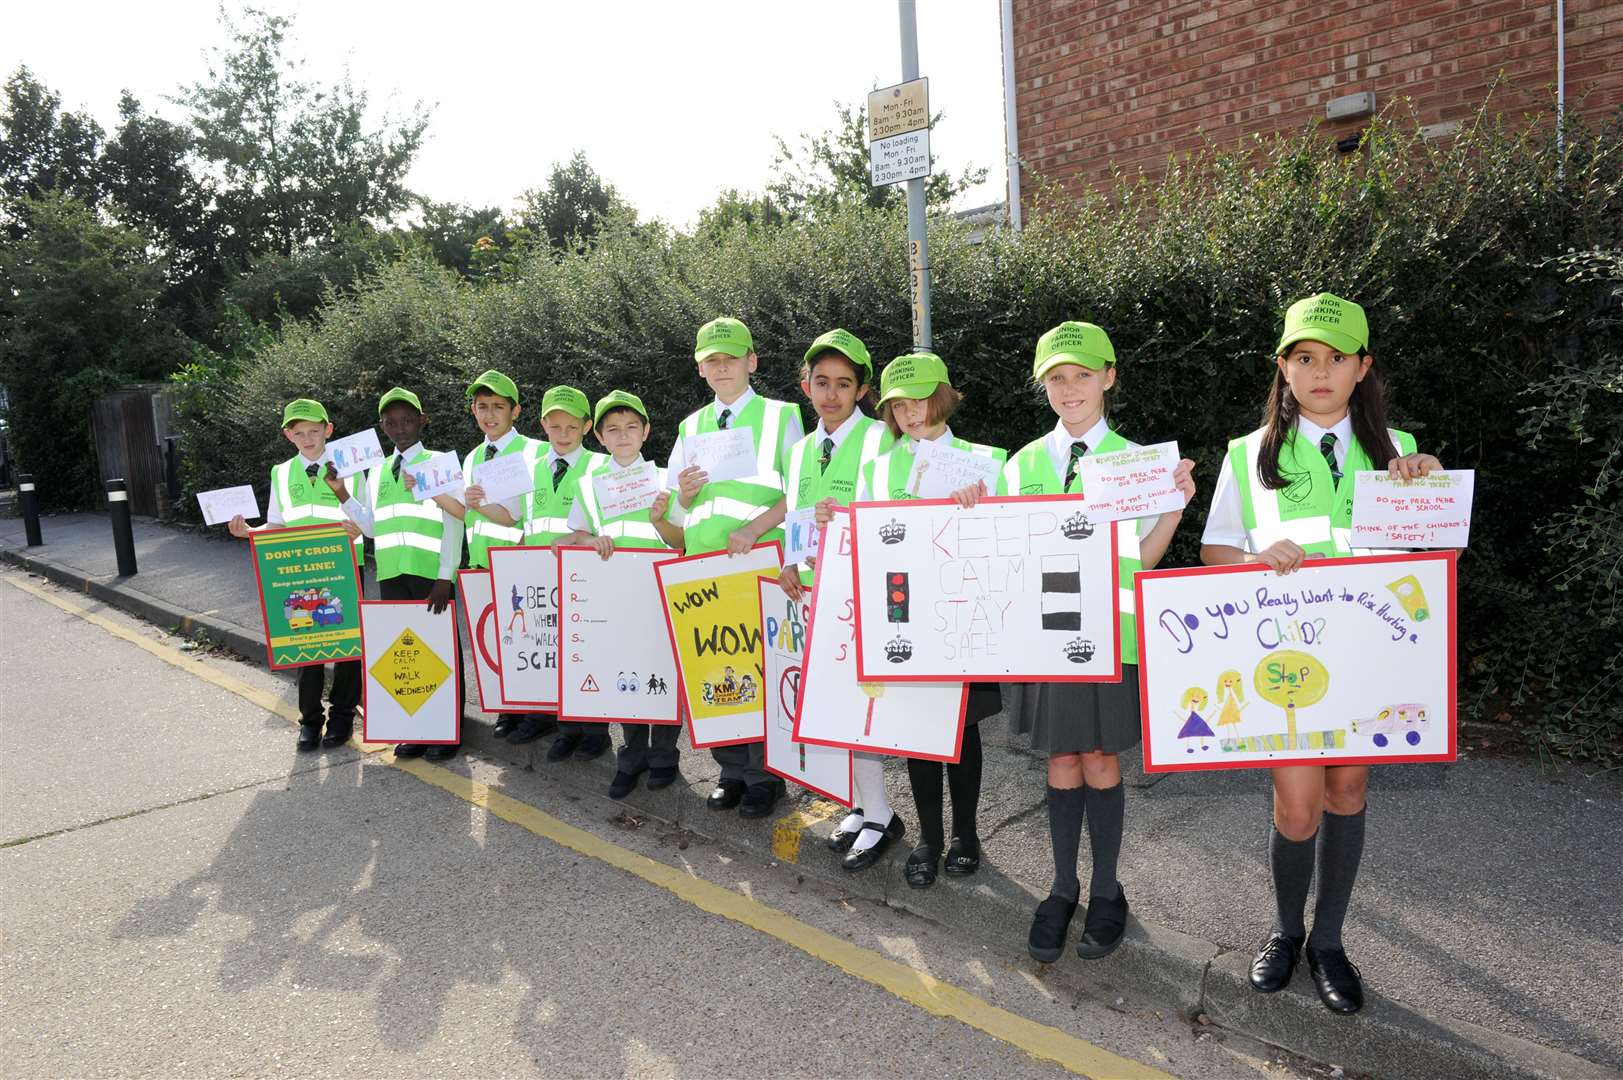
x: 898, y: 649
x: 1077, y: 527
x: 893, y: 533
x: 1079, y: 650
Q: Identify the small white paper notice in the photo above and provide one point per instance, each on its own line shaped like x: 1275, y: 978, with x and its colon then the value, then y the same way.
x: 1131, y: 483
x: 627, y: 490
x: 222, y: 504
x: 1431, y: 512
x: 800, y: 535
x: 504, y: 476
x: 723, y: 455
x: 939, y: 469
x: 439, y: 475
x: 355, y: 453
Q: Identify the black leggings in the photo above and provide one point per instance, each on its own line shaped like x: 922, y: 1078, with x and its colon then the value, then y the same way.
x: 964, y: 781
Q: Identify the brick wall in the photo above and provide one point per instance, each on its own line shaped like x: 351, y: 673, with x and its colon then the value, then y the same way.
x: 1132, y: 82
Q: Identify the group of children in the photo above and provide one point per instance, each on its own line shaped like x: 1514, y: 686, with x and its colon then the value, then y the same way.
x: 1284, y: 494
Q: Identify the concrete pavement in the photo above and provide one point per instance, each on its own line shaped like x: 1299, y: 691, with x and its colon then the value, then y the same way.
x: 1487, y: 904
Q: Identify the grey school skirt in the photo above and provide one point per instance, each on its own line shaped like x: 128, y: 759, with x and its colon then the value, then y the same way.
x: 1068, y: 718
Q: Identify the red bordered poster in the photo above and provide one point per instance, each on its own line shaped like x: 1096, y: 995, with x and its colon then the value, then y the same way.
x: 784, y: 625
x: 414, y: 658
x: 1347, y: 661
x: 615, y: 651
x: 478, y: 606
x: 524, y: 584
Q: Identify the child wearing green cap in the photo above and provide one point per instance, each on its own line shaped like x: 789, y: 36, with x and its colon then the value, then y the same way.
x: 566, y: 417
x: 1083, y: 727
x: 493, y: 401
x: 734, y: 515
x: 621, y: 424
x: 1285, y: 494
x: 415, y: 544
x: 298, y: 497
x: 916, y: 399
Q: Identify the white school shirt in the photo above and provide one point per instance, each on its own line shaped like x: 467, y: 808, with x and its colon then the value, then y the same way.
x: 1058, y: 443
x: 578, y: 519
x: 273, y: 513
x: 1225, y: 524
x: 359, y: 509
x: 794, y: 429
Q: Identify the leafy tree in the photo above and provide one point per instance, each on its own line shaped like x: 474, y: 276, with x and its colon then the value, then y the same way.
x: 573, y: 206
x: 456, y: 235
x: 78, y: 316
x: 734, y: 209
x: 294, y: 161
x: 830, y: 171
x: 43, y: 148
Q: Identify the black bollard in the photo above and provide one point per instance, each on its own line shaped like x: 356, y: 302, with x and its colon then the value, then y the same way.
x: 28, y: 500
x: 118, y: 508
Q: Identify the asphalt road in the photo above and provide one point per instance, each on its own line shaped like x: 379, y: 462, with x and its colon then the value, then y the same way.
x: 184, y: 895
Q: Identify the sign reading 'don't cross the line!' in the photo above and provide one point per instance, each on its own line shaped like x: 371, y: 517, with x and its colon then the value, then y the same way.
x: 309, y: 594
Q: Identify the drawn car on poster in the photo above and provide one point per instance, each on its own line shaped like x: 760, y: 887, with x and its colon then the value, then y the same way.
x: 1405, y: 722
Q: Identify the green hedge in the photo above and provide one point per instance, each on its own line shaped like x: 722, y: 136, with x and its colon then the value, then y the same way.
x: 1489, y: 266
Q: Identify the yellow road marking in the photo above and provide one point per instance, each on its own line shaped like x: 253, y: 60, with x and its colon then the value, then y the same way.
x: 787, y: 830
x: 915, y: 987
x: 172, y: 656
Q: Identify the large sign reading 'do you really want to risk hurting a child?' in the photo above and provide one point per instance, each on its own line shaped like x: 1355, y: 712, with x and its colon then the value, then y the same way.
x: 713, y: 617
x: 309, y: 594
x: 1347, y: 661
x: 1018, y: 589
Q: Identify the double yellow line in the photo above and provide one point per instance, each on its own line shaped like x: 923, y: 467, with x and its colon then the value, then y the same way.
x: 915, y: 987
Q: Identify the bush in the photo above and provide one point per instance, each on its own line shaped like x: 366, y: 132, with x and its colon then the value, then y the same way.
x: 1488, y: 265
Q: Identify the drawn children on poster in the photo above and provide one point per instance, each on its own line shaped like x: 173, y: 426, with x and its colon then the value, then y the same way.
x: 518, y: 614
x: 1230, y: 698
x: 1195, y: 729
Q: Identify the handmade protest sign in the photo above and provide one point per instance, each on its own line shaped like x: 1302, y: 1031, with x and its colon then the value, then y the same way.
x: 800, y: 535
x: 923, y: 720
x: 504, y: 477
x: 1131, y: 483
x: 723, y: 455
x: 1346, y: 661
x: 616, y: 661
x: 940, y: 469
x: 524, y: 581
x: 309, y: 594
x: 355, y: 453
x: 713, y: 616
x: 1019, y: 589
x: 823, y: 769
x: 412, y: 659
x: 480, y: 631
x: 222, y: 504
x: 438, y: 475
x: 1433, y: 511
x: 625, y: 491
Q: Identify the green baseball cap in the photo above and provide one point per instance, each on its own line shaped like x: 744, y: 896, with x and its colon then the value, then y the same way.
x: 496, y: 383
x: 568, y: 399
x: 618, y: 399
x: 723, y: 336
x: 1073, y: 343
x: 846, y: 344
x: 1338, y: 323
x: 304, y: 409
x: 915, y: 376
x: 399, y: 393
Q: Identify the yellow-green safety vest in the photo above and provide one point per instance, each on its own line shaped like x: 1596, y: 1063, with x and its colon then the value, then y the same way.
x: 407, y: 533
x: 1312, y: 509
x: 862, y: 445
x: 546, y: 509
x: 1031, y: 472
x: 722, y: 507
x: 484, y: 534
x: 633, y: 530
x: 895, y: 464
x: 306, y: 500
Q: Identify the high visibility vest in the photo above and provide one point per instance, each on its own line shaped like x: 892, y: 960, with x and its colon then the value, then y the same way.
x: 304, y: 499
x: 722, y: 507
x: 484, y: 534
x: 1312, y: 509
x: 1031, y: 472
x: 546, y: 509
x: 407, y: 533
x: 886, y: 476
x: 862, y: 445
x: 633, y: 530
